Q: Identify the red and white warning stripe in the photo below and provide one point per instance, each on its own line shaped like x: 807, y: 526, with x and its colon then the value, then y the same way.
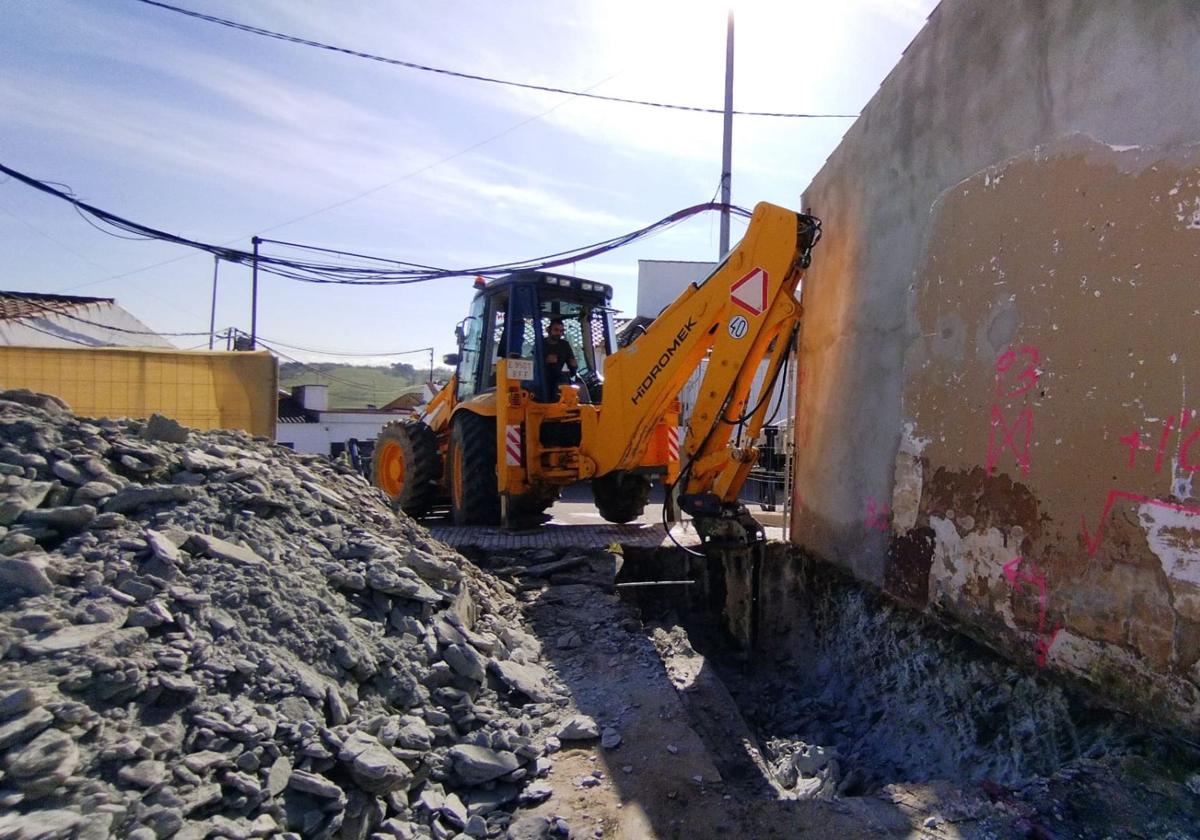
x: 672, y: 443
x: 512, y: 446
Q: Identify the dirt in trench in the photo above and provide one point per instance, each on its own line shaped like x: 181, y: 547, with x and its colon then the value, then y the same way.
x: 884, y: 726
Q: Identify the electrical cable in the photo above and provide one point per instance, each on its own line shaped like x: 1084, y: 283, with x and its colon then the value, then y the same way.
x: 334, y: 273
x: 341, y: 354
x: 308, y: 367
x: 268, y: 33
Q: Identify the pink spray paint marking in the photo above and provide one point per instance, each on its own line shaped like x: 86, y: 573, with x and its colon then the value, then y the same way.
x: 1027, y: 378
x: 877, y: 518
x: 1179, y: 423
x: 1035, y: 578
x: 1092, y: 542
x: 1017, y: 436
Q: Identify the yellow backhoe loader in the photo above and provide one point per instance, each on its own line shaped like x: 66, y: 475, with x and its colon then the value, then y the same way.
x: 523, y: 416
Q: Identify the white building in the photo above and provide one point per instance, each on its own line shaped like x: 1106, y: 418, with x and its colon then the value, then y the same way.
x: 33, y: 319
x: 307, y: 424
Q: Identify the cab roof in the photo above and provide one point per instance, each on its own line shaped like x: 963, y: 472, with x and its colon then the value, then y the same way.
x: 580, y: 285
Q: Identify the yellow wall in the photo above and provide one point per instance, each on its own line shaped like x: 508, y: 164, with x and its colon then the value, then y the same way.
x: 200, y: 389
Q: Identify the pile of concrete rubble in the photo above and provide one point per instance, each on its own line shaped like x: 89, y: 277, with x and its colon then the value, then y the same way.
x: 203, y: 634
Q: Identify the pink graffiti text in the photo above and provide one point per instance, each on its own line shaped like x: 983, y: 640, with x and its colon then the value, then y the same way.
x: 1017, y: 374
x: 1036, y: 579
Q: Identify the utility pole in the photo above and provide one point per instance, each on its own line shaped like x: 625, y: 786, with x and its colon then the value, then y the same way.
x: 254, y: 297
x: 212, y: 319
x: 727, y: 144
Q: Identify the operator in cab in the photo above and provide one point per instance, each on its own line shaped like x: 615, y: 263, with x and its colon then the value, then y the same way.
x: 558, y: 355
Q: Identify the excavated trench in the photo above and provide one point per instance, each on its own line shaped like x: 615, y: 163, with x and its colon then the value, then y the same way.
x: 847, y: 694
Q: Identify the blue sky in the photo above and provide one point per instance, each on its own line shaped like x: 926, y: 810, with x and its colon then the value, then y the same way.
x: 219, y: 135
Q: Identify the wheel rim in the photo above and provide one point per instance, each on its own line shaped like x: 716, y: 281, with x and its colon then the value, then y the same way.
x: 391, y: 469
x: 456, y: 477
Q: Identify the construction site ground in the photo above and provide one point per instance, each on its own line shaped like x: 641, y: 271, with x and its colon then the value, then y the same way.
x: 680, y: 760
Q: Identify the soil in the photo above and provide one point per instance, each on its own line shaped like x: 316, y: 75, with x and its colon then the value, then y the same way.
x: 690, y: 765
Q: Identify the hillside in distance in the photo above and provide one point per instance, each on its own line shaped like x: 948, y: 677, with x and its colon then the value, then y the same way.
x: 359, y: 386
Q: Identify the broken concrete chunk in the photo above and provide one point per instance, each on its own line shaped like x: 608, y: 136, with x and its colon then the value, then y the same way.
x: 373, y: 766
x: 25, y: 727
x: 466, y: 662
x: 160, y: 427
x: 579, y: 728
x: 20, y: 496
x: 314, y: 784
x: 26, y: 572
x: 162, y: 547
x: 531, y: 680
x: 69, y: 638
x: 134, y: 498
x: 223, y: 550
x: 477, y: 765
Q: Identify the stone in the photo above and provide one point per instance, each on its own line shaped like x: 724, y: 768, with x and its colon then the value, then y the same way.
x: 162, y: 547
x: 93, y: 493
x: 477, y: 765
x: 164, y: 822
x: 135, y: 498
x: 466, y: 662
x: 414, y: 734
x: 25, y: 727
x: 204, y: 761
x: 531, y: 680
x: 373, y: 766
x: 224, y: 550
x: 20, y: 496
x: 48, y: 403
x: 65, y: 519
x: 610, y: 739
x: 160, y: 427
x: 454, y: 810
x: 68, y: 472
x: 17, y: 701
x: 339, y: 713
x: 52, y: 757
x: 69, y: 638
x: 278, y: 775
x: 315, y: 784
x: 430, y: 567
x: 143, y: 774
x: 529, y: 828
x: 40, y: 825
x: 579, y: 728
x: 27, y: 573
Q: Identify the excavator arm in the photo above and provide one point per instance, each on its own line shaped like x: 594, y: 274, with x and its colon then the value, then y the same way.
x: 744, y: 312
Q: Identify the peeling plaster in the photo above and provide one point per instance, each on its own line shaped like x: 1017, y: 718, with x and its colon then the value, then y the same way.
x: 1174, y: 537
x: 960, y: 561
x: 908, y: 480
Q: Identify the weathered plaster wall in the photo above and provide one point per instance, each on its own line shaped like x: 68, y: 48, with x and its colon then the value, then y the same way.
x: 994, y: 418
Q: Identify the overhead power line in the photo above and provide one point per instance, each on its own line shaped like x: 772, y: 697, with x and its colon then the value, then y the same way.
x: 268, y: 33
x: 339, y: 353
x: 378, y: 271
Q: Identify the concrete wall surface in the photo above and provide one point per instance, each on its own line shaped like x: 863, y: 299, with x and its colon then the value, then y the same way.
x: 996, y: 416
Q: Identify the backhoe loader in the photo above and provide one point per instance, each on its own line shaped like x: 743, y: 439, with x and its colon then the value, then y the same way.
x: 514, y: 424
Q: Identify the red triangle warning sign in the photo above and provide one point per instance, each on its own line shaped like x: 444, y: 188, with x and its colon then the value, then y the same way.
x: 750, y: 292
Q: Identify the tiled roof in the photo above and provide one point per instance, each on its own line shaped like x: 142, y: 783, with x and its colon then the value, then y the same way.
x: 17, y: 305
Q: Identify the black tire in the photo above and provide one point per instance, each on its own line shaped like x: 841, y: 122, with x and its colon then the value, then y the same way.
x: 471, y: 471
x: 620, y: 496
x: 529, y: 509
x: 406, y: 466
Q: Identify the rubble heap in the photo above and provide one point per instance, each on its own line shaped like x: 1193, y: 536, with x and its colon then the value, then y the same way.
x: 208, y: 635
